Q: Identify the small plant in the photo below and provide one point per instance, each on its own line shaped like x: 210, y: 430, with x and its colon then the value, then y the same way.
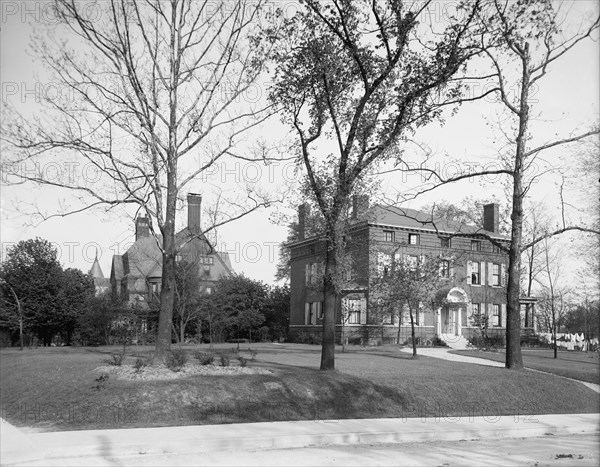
x: 253, y: 353
x: 176, y: 359
x: 243, y: 361
x: 116, y: 359
x: 224, y: 360
x: 234, y: 352
x: 101, y: 382
x: 204, y: 358
x: 139, y: 364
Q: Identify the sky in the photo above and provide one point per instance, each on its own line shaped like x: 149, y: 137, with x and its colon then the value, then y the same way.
x: 567, y: 99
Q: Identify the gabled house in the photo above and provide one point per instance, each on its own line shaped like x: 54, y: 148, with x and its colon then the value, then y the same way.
x: 473, y: 271
x: 137, y: 274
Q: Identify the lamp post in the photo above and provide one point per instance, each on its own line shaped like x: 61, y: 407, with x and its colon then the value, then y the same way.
x: 2, y: 281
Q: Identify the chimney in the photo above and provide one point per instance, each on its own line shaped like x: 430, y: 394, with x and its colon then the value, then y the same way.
x: 194, y: 204
x: 360, y: 206
x: 142, y: 227
x: 303, y: 213
x: 491, y: 217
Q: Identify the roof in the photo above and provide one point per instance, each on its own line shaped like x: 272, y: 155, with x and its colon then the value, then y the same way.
x: 411, y: 218
x: 96, y: 270
x: 391, y: 216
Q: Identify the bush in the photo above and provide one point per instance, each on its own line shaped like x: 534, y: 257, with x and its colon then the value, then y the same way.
x: 224, y: 360
x: 243, y: 361
x: 176, y: 359
x: 204, y: 358
x: 116, y: 359
x: 139, y: 364
x: 101, y: 382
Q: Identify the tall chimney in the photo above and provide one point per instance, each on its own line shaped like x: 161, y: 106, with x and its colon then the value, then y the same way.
x: 303, y: 213
x: 142, y: 227
x: 360, y: 205
x: 491, y: 217
x: 194, y: 205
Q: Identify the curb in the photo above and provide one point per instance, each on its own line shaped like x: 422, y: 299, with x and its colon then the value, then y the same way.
x: 16, y: 446
x: 281, y: 435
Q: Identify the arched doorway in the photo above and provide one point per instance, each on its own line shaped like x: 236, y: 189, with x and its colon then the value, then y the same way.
x: 449, y: 314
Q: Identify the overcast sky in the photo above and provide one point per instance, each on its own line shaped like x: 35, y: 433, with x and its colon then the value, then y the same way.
x: 568, y: 99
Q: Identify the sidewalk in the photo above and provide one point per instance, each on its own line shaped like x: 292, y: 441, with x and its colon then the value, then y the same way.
x: 107, y: 447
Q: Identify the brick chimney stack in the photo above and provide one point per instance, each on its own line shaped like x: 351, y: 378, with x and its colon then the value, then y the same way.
x: 194, y: 207
x: 303, y: 213
x: 142, y: 227
x: 491, y: 217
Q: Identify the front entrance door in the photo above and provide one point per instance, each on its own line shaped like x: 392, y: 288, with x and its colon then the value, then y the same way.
x: 448, y: 321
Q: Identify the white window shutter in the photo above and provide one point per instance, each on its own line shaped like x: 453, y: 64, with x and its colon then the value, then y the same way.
x: 503, y: 315
x: 313, y: 316
x: 482, y: 273
x: 306, y: 313
x: 320, y: 309
x: 469, y: 270
x: 490, y: 273
x: 503, y: 275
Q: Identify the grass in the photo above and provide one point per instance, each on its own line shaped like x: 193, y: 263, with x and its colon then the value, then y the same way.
x: 583, y: 366
x: 53, y: 389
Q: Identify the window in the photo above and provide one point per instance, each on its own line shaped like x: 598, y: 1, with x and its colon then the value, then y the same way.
x: 445, y: 242
x: 206, y: 260
x: 496, y: 315
x: 208, y: 290
x: 475, y: 273
x: 389, y: 236
x: 475, y: 245
x: 348, y: 274
x: 445, y: 268
x: 413, y: 239
x: 495, y: 274
x: 312, y: 312
x: 311, y: 273
x: 155, y: 288
x: 495, y: 248
x: 353, y: 311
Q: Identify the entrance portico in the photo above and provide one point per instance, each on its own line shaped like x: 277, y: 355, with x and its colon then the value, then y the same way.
x: 448, y: 318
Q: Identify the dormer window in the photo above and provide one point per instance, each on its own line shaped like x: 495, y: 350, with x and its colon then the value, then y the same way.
x: 389, y: 236
x: 475, y: 245
x: 413, y: 239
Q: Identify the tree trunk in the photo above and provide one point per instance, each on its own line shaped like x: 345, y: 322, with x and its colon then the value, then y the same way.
x: 412, y: 332
x: 513, y: 318
x: 328, y: 344
x: 181, y: 330
x: 554, y: 332
x: 167, y: 293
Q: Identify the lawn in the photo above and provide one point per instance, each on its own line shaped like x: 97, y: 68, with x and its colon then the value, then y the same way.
x: 584, y: 366
x: 56, y: 389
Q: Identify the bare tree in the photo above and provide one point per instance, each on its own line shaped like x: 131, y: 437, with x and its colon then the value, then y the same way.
x: 554, y: 293
x: 153, y: 97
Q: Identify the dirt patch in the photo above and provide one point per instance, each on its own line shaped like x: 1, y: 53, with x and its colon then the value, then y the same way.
x: 128, y: 372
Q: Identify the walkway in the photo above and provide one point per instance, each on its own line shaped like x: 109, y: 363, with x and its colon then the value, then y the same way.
x: 444, y: 354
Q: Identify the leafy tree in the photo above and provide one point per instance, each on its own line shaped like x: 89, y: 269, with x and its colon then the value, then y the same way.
x: 584, y: 317
x: 33, y: 271
x: 277, y: 311
x: 96, y: 324
x: 353, y: 79
x: 240, y: 302
x: 409, y: 281
x: 77, y: 289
